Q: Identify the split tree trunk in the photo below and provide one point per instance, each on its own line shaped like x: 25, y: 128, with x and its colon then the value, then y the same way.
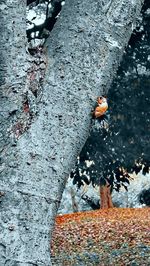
x: 41, y: 137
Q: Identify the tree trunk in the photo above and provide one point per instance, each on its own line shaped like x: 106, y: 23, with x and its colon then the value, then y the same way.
x: 105, y: 197
x: 42, y: 136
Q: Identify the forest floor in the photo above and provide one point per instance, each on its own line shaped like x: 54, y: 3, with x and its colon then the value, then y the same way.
x: 117, y: 237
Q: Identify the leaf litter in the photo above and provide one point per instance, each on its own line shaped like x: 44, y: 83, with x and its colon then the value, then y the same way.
x: 115, y: 237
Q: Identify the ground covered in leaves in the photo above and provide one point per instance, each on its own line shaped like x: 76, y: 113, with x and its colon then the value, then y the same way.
x: 115, y: 237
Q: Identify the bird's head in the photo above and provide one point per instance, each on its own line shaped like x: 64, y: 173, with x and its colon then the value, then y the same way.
x: 101, y: 99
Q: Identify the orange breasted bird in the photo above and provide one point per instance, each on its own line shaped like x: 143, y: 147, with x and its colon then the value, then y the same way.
x: 101, y: 108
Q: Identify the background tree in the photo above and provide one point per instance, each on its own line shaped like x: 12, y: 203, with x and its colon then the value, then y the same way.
x: 46, y: 100
x: 120, y: 145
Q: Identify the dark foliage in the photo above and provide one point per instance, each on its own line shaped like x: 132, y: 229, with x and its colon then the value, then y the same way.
x: 144, y: 197
x: 31, y: 1
x: 51, y: 17
x: 91, y: 203
x: 124, y: 147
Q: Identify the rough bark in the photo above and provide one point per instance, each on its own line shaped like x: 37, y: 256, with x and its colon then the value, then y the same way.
x: 83, y: 53
x: 105, y: 197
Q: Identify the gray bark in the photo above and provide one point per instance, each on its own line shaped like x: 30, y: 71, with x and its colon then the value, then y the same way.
x: 38, y: 152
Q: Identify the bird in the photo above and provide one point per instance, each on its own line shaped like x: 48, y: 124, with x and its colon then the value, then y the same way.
x: 101, y: 108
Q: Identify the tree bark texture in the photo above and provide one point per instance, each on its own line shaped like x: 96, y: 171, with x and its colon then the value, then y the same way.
x: 105, y: 197
x: 42, y: 136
